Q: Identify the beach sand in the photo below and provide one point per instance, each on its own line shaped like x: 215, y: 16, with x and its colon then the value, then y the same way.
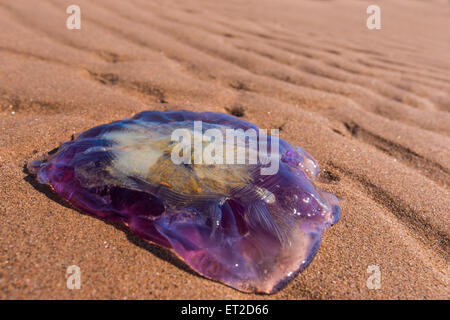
x: 372, y: 106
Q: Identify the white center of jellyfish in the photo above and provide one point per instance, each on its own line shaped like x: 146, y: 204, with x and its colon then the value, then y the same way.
x: 133, y: 154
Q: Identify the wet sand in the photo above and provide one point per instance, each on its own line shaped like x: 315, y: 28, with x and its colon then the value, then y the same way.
x: 371, y: 106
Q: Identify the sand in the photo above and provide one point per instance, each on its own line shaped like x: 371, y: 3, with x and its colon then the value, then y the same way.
x: 372, y: 106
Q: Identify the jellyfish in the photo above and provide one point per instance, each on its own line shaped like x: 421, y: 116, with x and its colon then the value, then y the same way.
x: 178, y: 180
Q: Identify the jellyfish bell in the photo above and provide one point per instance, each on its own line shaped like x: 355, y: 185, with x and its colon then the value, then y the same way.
x: 229, y: 222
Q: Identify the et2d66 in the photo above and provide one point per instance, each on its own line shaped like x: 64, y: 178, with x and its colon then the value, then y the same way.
x: 246, y: 309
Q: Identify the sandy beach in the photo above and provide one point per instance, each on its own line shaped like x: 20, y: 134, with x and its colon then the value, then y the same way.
x: 371, y: 106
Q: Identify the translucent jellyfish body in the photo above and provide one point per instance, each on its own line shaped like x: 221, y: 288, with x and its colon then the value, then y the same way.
x: 229, y: 221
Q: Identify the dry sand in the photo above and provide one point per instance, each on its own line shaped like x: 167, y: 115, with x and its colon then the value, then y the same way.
x: 371, y: 106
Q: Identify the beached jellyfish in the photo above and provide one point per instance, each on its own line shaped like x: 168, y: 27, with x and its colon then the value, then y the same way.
x: 237, y: 205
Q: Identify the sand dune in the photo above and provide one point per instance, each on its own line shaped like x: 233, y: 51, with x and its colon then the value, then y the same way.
x: 372, y: 106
